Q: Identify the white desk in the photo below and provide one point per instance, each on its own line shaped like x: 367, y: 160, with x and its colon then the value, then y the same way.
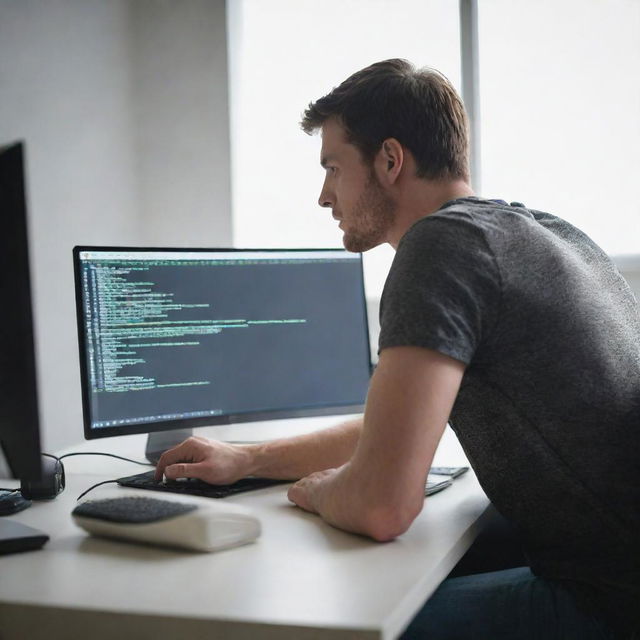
x: 302, y: 579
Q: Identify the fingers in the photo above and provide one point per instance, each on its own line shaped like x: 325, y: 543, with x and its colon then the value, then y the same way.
x: 184, y: 470
x: 298, y: 495
x: 187, y: 451
x: 303, y: 492
x: 308, y: 492
x: 208, y: 460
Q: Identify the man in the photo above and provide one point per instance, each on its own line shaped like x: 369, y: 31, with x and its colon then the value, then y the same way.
x: 508, y: 322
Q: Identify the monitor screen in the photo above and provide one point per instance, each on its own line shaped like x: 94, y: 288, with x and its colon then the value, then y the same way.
x: 173, y: 338
x: 19, y: 423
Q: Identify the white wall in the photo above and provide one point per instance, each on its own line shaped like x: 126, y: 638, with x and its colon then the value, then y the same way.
x: 65, y: 90
x: 181, y: 104
x: 106, y: 94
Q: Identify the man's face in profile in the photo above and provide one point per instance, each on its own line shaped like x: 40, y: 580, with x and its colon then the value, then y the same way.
x: 353, y: 192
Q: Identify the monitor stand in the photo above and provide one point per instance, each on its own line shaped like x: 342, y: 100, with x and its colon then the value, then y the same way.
x: 159, y: 441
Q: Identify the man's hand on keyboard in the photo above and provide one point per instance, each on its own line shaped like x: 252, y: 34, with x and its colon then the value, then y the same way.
x: 209, y: 460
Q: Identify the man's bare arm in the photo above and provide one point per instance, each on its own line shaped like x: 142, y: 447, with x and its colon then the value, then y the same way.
x: 287, y: 458
x: 380, y: 491
x: 296, y: 457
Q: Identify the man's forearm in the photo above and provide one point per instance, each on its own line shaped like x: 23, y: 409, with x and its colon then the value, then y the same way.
x: 380, y: 490
x: 293, y: 458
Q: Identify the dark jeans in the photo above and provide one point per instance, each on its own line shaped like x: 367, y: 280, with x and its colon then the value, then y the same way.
x: 490, y: 596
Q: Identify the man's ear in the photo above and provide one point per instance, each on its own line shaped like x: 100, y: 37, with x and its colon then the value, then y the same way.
x: 389, y: 161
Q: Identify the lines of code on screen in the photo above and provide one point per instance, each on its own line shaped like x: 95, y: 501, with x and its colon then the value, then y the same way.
x: 168, y: 339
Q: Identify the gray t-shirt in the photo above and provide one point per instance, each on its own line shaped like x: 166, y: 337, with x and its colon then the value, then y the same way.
x: 549, y: 408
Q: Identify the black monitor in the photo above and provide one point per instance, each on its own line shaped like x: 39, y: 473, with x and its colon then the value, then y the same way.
x: 19, y: 423
x: 180, y: 338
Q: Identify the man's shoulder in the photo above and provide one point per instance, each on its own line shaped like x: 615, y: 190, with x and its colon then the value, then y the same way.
x: 460, y: 223
x: 472, y: 212
x: 494, y: 222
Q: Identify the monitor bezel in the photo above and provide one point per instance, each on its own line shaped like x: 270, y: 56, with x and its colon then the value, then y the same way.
x: 206, y: 421
x: 20, y: 438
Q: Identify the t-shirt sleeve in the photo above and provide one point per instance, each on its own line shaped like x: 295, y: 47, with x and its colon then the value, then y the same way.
x: 443, y: 290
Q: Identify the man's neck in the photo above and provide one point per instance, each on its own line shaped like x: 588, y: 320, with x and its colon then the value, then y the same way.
x: 425, y: 198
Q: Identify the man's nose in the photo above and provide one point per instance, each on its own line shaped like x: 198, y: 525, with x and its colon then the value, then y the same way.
x: 325, y: 199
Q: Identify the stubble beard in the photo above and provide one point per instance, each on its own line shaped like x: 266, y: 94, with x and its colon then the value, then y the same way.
x: 374, y: 215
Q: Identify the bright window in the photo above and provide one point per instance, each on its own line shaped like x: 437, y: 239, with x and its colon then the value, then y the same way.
x: 287, y: 53
x: 560, y: 111
x: 559, y: 107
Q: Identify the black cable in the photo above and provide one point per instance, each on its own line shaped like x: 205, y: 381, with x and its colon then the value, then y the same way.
x: 84, y: 493
x: 98, y: 453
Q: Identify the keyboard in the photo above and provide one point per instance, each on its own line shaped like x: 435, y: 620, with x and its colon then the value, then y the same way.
x: 194, y: 487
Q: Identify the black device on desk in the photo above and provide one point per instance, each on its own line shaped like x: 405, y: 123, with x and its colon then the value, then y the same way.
x: 19, y: 419
x: 172, y: 339
x: 193, y: 486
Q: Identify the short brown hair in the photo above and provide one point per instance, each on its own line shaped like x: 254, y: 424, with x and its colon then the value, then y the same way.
x: 393, y: 99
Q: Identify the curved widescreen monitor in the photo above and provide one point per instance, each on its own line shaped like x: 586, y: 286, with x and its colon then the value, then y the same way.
x: 181, y: 338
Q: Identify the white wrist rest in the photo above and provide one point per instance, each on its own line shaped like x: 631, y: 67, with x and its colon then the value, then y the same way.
x: 179, y: 524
